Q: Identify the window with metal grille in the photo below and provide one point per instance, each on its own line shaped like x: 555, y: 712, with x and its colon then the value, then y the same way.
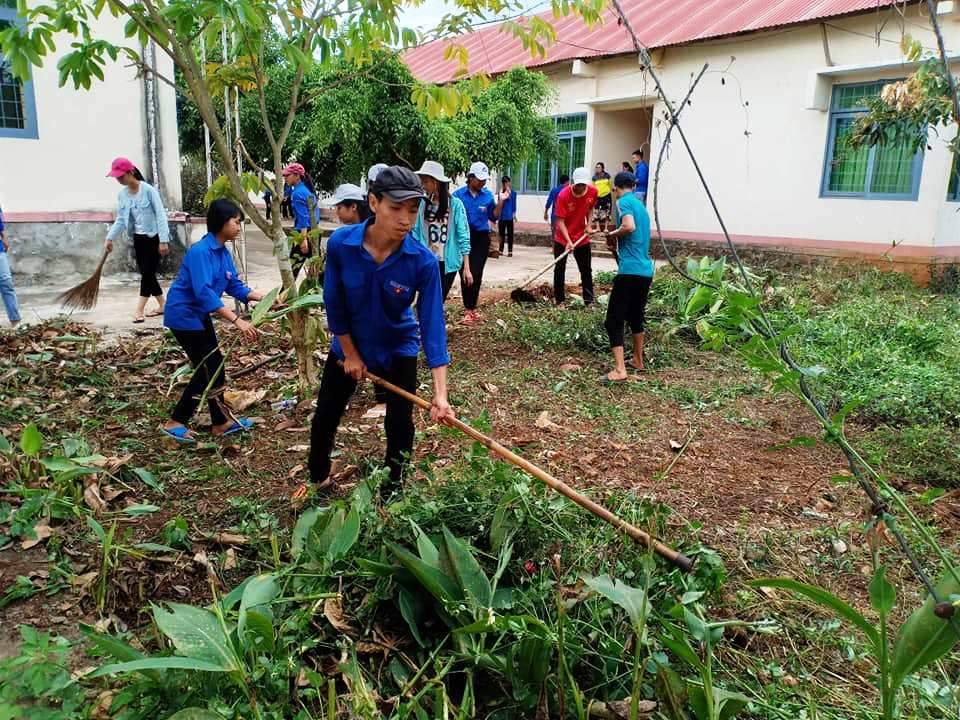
x: 883, y: 172
x: 18, y: 116
x: 539, y: 175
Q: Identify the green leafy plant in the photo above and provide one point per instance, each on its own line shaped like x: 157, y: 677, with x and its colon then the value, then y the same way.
x: 637, y: 605
x: 36, y: 684
x: 925, y: 637
x: 693, y: 640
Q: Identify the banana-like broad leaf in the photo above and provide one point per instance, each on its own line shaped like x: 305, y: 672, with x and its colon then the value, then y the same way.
x: 159, y: 663
x: 459, y: 563
x: 196, y: 633
x: 428, y: 551
x: 726, y: 704
x: 924, y: 637
x: 826, y: 600
x: 678, y: 645
x: 304, y: 525
x: 263, y: 307
x: 304, y: 301
x: 259, y: 634
x: 631, y: 599
x: 434, y: 581
x: 31, y: 441
x: 414, y: 611
x: 259, y: 591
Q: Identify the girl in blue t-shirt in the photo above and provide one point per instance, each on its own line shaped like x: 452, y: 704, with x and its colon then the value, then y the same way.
x: 628, y: 300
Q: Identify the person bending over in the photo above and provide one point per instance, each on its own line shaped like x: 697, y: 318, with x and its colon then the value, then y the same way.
x: 375, y: 272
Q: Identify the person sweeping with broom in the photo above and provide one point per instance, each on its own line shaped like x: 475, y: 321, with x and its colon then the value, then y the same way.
x: 628, y: 299
x: 207, y: 272
x: 375, y: 272
x: 141, y: 213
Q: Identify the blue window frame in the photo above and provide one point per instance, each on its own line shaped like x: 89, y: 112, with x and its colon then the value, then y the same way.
x: 882, y: 172
x: 539, y: 175
x: 953, y: 186
x: 18, y: 109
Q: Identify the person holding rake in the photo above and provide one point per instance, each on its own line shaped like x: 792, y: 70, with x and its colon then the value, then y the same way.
x: 375, y: 272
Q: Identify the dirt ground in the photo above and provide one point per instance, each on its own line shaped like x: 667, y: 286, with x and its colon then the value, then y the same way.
x: 701, y: 437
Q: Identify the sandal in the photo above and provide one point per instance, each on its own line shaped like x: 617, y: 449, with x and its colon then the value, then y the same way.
x: 240, y: 425
x: 154, y: 313
x: 137, y: 320
x: 180, y: 434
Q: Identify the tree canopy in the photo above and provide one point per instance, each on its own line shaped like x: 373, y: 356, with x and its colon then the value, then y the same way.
x: 365, y: 116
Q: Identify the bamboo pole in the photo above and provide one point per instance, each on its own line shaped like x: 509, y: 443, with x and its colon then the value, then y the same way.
x: 678, y: 559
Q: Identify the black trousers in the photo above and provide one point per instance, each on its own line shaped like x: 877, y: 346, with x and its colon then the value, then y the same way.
x: 147, y: 251
x: 628, y: 303
x: 298, y: 258
x: 583, y: 255
x: 479, y: 248
x: 446, y: 280
x: 336, y: 387
x: 204, y: 352
x: 505, y: 231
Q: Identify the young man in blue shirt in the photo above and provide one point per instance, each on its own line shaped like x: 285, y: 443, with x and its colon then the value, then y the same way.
x: 374, y: 273
x: 301, y: 202
x: 642, y: 172
x: 508, y: 214
x: 482, y: 212
x: 10, y: 302
x: 551, y: 205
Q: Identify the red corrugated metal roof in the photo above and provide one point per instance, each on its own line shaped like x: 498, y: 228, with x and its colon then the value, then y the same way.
x: 659, y: 23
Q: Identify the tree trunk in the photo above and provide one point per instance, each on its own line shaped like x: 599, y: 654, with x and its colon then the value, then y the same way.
x: 303, y: 342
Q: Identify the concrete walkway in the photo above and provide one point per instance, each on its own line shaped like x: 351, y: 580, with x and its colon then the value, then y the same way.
x: 118, y: 293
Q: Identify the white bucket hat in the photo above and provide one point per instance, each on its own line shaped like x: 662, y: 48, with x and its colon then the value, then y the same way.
x: 347, y: 191
x: 581, y: 176
x: 431, y: 168
x: 479, y: 170
x: 375, y: 170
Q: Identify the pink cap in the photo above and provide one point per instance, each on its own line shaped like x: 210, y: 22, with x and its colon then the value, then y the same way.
x: 119, y: 167
x: 294, y: 169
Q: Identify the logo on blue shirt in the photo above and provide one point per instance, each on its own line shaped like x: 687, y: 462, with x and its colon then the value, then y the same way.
x: 397, y: 288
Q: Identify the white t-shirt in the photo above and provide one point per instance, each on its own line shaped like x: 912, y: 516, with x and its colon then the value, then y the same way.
x: 436, y: 230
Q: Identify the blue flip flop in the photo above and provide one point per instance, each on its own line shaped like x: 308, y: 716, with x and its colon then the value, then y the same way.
x: 179, y: 434
x: 240, y: 425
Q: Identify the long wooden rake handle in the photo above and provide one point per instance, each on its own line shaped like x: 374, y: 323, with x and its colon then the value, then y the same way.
x: 678, y: 559
x: 553, y: 262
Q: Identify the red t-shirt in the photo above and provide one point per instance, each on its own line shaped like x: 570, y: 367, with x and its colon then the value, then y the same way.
x: 574, y: 212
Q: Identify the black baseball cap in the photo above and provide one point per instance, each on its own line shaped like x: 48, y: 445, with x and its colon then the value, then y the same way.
x: 625, y: 180
x: 399, y: 184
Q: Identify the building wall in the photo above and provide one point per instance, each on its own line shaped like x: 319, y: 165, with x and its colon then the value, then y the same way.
x: 764, y: 155
x: 80, y: 132
x: 54, y: 192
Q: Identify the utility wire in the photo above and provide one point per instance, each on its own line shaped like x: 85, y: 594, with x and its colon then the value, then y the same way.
x: 765, y: 328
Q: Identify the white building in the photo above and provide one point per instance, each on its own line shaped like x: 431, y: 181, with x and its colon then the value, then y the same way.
x: 786, y: 80
x: 56, y: 145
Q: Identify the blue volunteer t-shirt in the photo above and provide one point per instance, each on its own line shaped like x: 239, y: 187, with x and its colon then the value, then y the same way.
x: 509, y: 209
x: 480, y: 208
x: 643, y: 176
x: 634, y: 248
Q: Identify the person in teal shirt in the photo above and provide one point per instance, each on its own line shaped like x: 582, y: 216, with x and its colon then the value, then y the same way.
x: 442, y: 226
x: 628, y: 300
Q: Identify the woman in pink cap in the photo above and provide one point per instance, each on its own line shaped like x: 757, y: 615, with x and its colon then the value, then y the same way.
x: 141, y: 213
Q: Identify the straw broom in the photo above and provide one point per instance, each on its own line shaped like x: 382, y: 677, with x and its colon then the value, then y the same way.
x: 84, y: 295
